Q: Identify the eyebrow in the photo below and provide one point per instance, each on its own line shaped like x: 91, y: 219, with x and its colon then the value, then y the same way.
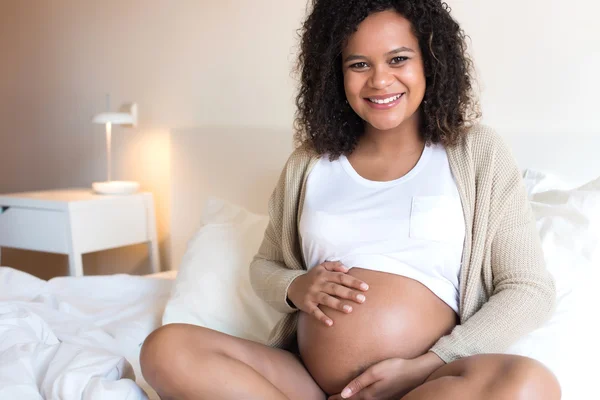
x: 354, y: 57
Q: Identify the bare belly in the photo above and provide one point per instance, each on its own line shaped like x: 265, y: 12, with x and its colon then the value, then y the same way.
x: 400, y: 318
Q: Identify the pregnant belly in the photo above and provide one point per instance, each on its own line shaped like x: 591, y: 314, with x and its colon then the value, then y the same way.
x: 400, y: 318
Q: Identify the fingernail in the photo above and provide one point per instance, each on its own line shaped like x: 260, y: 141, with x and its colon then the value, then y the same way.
x: 361, y: 298
x: 346, y: 393
x: 364, y: 286
x: 347, y: 308
x: 329, y: 322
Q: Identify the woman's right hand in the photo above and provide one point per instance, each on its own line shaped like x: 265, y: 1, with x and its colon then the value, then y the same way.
x: 327, y: 284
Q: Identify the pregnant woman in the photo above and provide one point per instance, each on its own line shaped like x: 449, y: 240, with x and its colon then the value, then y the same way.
x: 401, y: 245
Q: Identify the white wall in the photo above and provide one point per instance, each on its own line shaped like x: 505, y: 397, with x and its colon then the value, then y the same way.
x: 199, y: 62
x: 538, y: 62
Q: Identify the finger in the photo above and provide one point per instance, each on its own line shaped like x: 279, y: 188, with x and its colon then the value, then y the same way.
x: 343, y: 292
x: 335, y: 266
x: 334, y: 303
x: 348, y: 281
x: 358, y: 384
x: 320, y: 315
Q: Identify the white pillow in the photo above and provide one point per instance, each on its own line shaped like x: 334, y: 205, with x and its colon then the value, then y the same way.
x: 568, y: 222
x: 541, y: 181
x: 212, y: 288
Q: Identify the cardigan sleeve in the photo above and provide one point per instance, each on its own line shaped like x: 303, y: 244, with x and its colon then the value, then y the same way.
x: 270, y: 277
x: 524, y: 294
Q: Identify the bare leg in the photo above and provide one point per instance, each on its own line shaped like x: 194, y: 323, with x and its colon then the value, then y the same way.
x: 190, y: 362
x: 490, y: 377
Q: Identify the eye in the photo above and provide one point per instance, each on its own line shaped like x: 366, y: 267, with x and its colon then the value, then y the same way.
x: 399, y: 59
x: 359, y: 65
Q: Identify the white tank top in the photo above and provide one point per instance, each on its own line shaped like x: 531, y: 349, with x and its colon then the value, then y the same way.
x: 413, y: 226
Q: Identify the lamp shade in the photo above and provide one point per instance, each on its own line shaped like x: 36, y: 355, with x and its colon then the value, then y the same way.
x: 118, y: 118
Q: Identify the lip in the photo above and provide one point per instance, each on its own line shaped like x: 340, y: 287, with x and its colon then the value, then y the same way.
x: 384, y: 106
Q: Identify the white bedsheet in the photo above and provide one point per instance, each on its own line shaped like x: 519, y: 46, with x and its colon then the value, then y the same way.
x: 79, y: 338
x: 76, y: 338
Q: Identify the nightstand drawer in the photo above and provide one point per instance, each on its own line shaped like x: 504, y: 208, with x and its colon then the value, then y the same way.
x: 109, y: 226
x: 40, y: 230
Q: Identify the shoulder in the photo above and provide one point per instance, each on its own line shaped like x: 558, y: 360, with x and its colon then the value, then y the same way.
x: 296, y: 166
x: 482, y: 138
x: 485, y: 148
x: 300, y: 159
x: 304, y: 152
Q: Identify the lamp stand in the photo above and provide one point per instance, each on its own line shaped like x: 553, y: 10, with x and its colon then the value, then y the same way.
x: 113, y: 187
x: 108, y: 147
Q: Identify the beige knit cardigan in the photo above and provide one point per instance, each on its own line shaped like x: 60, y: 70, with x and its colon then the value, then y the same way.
x: 505, y: 289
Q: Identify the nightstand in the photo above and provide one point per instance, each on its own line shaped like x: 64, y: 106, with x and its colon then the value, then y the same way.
x: 77, y: 221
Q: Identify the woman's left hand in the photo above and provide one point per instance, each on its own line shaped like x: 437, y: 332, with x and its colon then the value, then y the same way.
x: 391, y: 379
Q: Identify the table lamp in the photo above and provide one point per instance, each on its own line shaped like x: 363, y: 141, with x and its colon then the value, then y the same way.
x: 127, y: 118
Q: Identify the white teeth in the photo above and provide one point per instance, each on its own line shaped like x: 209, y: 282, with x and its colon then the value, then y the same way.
x: 385, y: 101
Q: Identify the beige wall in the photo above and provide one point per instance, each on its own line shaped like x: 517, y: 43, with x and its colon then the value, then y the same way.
x: 186, y: 63
x: 212, y: 62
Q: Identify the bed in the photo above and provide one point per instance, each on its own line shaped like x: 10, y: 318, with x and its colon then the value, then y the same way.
x: 73, y: 338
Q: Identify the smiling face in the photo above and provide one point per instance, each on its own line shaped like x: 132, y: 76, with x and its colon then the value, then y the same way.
x: 384, y: 77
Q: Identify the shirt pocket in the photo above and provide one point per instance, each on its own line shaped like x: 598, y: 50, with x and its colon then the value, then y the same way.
x: 437, y: 218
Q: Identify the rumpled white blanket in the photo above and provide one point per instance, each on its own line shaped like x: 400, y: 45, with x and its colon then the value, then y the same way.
x: 75, y: 338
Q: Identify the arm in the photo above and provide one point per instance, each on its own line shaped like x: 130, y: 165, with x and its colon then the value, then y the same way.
x: 269, y: 275
x: 523, y: 295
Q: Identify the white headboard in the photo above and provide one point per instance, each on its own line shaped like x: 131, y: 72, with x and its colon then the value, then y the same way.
x: 242, y: 164
x: 235, y: 163
x: 572, y: 156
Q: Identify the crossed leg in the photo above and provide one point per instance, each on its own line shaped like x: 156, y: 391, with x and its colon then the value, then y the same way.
x: 490, y: 377
x: 190, y: 362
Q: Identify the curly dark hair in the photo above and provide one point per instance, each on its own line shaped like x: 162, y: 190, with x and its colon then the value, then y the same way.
x: 327, y: 123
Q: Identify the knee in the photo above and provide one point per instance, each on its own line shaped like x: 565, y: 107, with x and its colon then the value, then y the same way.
x: 163, y: 353
x: 158, y: 350
x: 526, y: 379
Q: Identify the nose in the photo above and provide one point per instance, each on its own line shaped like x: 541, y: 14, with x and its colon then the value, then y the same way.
x: 381, y: 78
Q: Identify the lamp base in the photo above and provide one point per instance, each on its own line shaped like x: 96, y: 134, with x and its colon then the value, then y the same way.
x: 116, y: 187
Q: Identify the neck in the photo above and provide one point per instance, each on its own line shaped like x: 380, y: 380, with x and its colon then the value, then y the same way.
x: 402, y: 140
